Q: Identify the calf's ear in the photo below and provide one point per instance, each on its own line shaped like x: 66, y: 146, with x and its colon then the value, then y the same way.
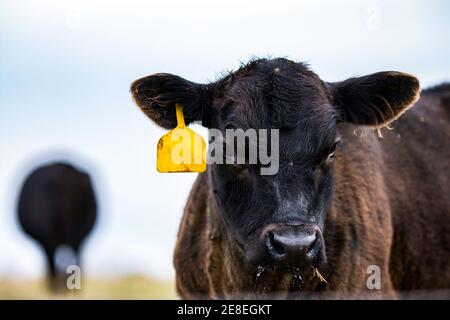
x: 157, y: 94
x: 376, y: 99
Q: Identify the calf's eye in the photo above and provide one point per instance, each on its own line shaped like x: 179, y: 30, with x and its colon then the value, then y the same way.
x: 331, y: 153
x: 326, y: 162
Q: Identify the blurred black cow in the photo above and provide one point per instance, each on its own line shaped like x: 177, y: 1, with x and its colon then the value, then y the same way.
x: 57, y: 207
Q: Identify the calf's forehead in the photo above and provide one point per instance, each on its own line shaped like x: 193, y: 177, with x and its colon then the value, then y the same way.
x: 275, y: 95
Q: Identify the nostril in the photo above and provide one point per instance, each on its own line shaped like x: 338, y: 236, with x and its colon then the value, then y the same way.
x: 313, y: 250
x: 315, y: 255
x: 275, y: 249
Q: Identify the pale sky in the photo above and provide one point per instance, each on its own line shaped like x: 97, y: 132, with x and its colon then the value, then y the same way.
x: 65, y: 71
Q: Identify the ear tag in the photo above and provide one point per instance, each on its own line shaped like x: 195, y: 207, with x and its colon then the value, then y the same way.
x: 181, y: 149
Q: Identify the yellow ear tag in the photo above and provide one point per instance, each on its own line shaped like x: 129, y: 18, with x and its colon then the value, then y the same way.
x: 181, y: 149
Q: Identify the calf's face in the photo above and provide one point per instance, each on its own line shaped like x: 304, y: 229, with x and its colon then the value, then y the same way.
x: 278, y: 219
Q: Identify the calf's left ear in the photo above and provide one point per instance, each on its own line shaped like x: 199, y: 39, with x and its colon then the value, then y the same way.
x: 376, y: 99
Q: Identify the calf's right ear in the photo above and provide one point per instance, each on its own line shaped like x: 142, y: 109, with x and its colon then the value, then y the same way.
x: 157, y: 94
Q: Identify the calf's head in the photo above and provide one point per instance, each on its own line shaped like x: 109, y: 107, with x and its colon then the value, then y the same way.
x: 278, y: 219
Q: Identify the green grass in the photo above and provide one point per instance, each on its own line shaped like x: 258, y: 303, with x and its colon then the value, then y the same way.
x: 128, y: 287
